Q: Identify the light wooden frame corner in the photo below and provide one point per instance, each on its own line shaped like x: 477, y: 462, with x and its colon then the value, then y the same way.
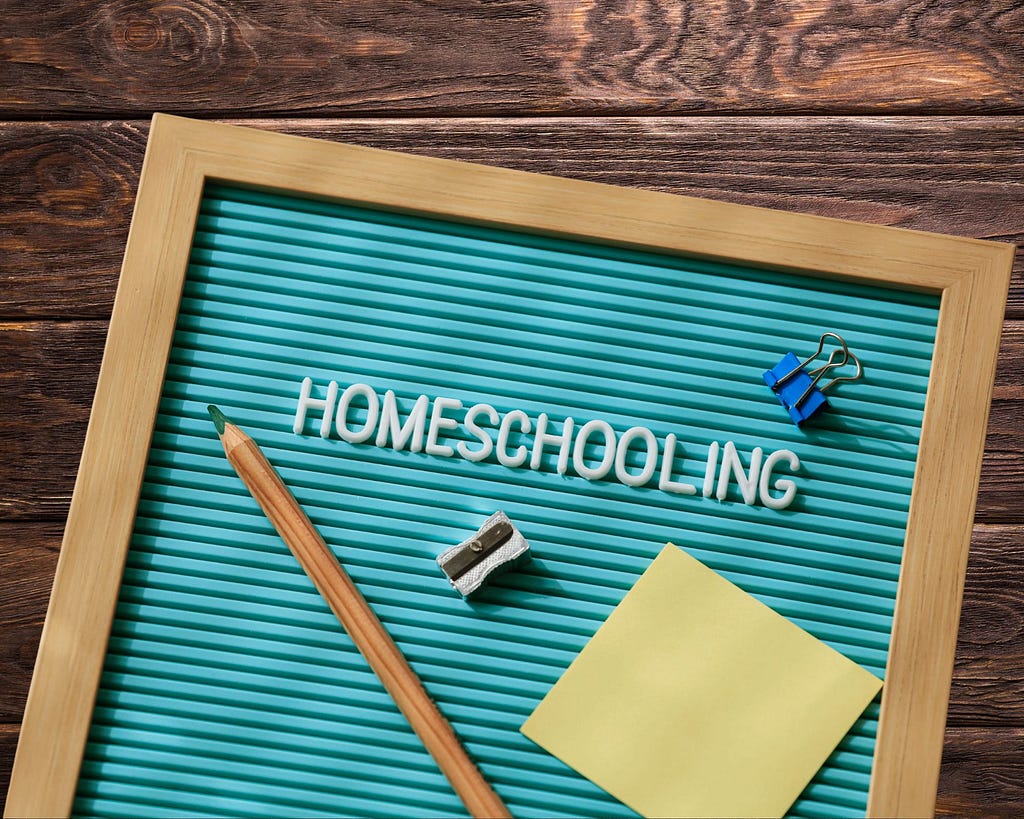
x: 971, y: 276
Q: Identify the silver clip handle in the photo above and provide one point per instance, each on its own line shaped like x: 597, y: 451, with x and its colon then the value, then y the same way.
x: 833, y: 363
x: 809, y: 359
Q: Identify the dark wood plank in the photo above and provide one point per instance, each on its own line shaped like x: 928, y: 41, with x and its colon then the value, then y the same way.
x: 988, y: 679
x: 982, y: 771
x: 50, y: 375
x: 68, y: 194
x: 47, y: 378
x: 838, y: 56
x: 8, y: 744
x: 68, y: 188
x: 208, y: 58
x: 1002, y: 470
x: 28, y: 553
x: 469, y: 57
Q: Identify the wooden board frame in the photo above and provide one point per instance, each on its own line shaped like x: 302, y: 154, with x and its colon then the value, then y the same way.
x: 972, y: 277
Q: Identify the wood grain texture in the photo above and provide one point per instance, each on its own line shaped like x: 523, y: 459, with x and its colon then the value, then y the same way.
x: 47, y: 380
x: 28, y: 554
x: 988, y: 679
x: 68, y: 194
x: 8, y: 745
x: 205, y: 57
x: 982, y: 771
x: 1002, y: 475
x: 823, y: 55
x: 70, y: 186
x: 468, y: 57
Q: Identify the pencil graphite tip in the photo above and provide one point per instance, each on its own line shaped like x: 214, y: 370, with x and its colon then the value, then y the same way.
x: 218, y: 418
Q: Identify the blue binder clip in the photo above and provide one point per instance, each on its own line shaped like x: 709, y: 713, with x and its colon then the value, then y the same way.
x: 798, y: 390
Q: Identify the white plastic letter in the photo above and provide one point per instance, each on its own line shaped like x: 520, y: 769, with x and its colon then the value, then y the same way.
x: 306, y: 403
x: 486, y: 444
x: 731, y: 464
x: 665, y: 482
x: 504, y: 458
x: 542, y: 437
x: 593, y: 473
x: 411, y: 432
x: 372, y: 412
x: 439, y: 422
x: 784, y: 485
x: 710, y: 469
x: 623, y: 450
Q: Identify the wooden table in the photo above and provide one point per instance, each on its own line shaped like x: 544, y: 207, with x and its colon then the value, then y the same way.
x: 895, y: 112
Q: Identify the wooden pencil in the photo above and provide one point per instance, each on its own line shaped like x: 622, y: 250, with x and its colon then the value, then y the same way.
x: 355, y: 614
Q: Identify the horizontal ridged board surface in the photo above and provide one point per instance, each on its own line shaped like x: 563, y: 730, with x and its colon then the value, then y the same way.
x: 229, y: 688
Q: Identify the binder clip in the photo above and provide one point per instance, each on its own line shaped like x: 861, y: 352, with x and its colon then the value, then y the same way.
x: 496, y: 547
x: 797, y: 388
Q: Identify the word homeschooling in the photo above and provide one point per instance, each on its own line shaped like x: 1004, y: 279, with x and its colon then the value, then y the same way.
x: 420, y: 433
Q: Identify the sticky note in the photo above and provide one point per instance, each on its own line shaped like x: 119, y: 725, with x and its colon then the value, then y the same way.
x: 696, y: 699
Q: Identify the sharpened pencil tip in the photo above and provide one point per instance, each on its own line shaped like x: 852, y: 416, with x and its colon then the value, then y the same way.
x: 218, y: 418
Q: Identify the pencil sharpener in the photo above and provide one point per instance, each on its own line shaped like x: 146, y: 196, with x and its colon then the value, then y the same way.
x: 496, y: 547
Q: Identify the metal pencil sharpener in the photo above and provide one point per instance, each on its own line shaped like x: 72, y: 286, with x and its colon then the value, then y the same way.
x: 496, y: 547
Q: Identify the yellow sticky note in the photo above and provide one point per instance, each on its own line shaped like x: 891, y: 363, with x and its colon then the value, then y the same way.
x: 696, y: 699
